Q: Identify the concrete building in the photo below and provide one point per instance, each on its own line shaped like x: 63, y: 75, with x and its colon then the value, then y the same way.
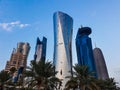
x: 63, y: 28
x: 19, y: 56
x: 100, y: 64
x: 40, y: 49
x: 84, y: 48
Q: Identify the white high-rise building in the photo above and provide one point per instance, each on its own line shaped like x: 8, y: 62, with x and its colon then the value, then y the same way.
x: 63, y: 28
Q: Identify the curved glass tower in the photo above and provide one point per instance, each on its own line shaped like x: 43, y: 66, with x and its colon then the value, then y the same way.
x: 84, y: 48
x: 63, y: 28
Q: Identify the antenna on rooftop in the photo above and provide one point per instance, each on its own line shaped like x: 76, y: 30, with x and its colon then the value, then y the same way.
x: 95, y: 44
x: 81, y: 26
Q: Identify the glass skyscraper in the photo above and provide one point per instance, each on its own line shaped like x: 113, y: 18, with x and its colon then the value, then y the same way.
x: 40, y: 49
x: 84, y: 48
x: 63, y: 28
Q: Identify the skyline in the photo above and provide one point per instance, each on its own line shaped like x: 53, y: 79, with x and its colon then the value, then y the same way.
x: 24, y: 21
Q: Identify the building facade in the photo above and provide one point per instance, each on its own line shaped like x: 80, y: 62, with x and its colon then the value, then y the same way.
x: 40, y: 49
x: 19, y: 56
x: 63, y: 28
x: 100, y: 64
x: 84, y: 48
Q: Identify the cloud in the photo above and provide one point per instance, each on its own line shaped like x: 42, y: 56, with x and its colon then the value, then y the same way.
x: 23, y: 25
x: 11, y: 25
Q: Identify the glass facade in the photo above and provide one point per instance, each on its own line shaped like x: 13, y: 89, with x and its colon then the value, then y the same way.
x: 63, y: 28
x: 40, y: 50
x: 84, y: 48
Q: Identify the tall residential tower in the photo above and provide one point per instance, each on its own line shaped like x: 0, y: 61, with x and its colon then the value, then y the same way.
x: 84, y: 48
x: 100, y: 64
x: 63, y: 28
x: 19, y: 56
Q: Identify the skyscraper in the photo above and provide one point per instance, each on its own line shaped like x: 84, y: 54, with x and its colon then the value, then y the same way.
x: 19, y: 56
x: 40, y: 49
x: 63, y: 28
x: 84, y: 48
x: 100, y: 64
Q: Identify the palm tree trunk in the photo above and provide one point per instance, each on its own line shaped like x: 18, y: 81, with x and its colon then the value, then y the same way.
x: 38, y: 87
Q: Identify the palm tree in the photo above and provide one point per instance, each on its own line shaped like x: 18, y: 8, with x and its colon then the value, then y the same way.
x: 4, y: 76
x: 42, y: 74
x: 84, y: 78
x: 71, y: 84
x: 12, y: 70
x: 108, y: 84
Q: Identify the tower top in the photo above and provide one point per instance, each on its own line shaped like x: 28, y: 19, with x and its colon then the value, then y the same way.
x: 81, y: 26
x: 84, y: 30
x: 95, y: 45
x: 38, y: 41
x: 61, y: 14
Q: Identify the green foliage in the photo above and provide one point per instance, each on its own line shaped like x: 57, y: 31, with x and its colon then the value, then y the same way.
x: 12, y: 70
x: 42, y: 75
x: 4, y: 76
x: 108, y: 84
x: 71, y: 84
x: 83, y: 78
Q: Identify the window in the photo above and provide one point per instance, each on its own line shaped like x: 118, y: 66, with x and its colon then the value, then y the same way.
x: 18, y: 63
x: 14, y: 62
x: 61, y: 72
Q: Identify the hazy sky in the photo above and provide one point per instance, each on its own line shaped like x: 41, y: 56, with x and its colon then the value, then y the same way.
x: 25, y: 20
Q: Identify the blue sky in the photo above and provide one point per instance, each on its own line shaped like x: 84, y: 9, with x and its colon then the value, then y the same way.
x: 25, y: 20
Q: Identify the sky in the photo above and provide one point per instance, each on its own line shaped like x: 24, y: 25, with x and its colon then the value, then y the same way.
x: 25, y: 20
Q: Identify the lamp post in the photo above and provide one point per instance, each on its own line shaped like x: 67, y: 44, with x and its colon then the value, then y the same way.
x: 78, y: 81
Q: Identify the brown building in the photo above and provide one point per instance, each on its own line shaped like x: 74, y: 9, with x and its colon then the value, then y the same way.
x: 100, y: 64
x: 19, y: 56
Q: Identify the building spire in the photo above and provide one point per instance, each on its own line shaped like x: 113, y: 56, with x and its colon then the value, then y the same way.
x: 14, y: 51
x: 95, y: 44
x: 81, y: 26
